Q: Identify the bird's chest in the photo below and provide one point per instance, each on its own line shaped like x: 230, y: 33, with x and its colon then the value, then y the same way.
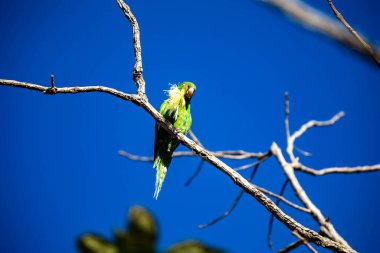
x: 183, y: 121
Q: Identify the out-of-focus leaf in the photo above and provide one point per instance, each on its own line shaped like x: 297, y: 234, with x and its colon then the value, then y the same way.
x: 192, y: 246
x: 95, y: 244
x: 140, y: 237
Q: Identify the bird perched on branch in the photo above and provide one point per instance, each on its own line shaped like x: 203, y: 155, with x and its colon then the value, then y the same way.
x: 176, y: 110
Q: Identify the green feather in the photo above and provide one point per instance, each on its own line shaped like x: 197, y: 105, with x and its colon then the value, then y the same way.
x: 176, y: 110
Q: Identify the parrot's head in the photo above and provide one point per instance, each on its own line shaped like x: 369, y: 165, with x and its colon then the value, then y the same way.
x: 187, y: 89
x: 181, y: 95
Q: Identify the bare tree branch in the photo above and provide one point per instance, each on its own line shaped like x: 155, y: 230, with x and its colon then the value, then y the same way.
x: 196, y: 173
x: 312, y: 19
x: 303, y: 152
x: 287, y: 128
x: 362, y: 41
x: 281, y: 198
x: 194, y: 138
x: 136, y: 157
x: 260, y: 160
x: 336, y: 170
x: 234, y: 204
x: 51, y: 91
x: 226, y: 213
x: 291, y: 247
x: 138, y: 69
x: 200, y: 166
x: 287, y: 112
x: 304, y: 128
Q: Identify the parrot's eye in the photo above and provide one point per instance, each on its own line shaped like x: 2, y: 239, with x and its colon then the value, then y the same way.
x: 190, y: 92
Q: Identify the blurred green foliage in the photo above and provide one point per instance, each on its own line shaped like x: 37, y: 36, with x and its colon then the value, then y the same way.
x: 140, y: 236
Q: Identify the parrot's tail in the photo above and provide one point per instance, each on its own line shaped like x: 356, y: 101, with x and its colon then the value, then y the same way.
x: 160, y: 175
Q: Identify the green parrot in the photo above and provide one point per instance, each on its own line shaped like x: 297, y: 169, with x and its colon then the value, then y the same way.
x: 176, y: 110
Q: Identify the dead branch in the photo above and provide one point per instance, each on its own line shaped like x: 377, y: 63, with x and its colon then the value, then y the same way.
x: 336, y: 170
x: 136, y: 157
x: 291, y: 247
x: 138, y: 69
x: 304, y: 128
x: 314, y: 20
x: 362, y: 41
x: 326, y: 227
x: 72, y: 90
x: 281, y: 198
x: 196, y: 173
x: 226, y: 213
x: 260, y: 160
x: 234, y: 204
x: 194, y: 138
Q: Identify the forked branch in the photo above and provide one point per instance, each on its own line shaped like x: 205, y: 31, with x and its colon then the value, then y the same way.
x: 304, y: 128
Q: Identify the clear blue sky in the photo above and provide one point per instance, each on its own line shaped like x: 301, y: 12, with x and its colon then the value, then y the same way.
x: 61, y: 175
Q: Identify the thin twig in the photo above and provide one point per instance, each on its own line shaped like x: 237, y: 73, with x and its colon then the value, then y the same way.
x: 305, y: 242
x: 136, y: 157
x: 138, y: 69
x: 302, y: 152
x: 291, y: 247
x: 194, y: 138
x: 362, y: 41
x: 314, y: 123
x: 287, y: 112
x: 304, y: 128
x: 234, y: 204
x: 260, y: 160
x: 225, y: 214
x: 199, y: 168
x: 246, y: 166
x: 281, y: 198
x: 336, y: 170
x: 52, y: 81
x: 271, y: 219
x: 196, y: 173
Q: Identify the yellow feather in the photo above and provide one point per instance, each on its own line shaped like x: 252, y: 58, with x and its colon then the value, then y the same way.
x: 175, y: 100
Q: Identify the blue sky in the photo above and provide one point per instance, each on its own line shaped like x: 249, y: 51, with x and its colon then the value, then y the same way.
x: 61, y: 175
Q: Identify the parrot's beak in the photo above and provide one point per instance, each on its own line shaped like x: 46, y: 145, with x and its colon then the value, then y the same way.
x: 190, y: 93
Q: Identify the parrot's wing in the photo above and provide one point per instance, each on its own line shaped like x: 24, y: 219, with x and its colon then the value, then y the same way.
x: 159, y: 132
